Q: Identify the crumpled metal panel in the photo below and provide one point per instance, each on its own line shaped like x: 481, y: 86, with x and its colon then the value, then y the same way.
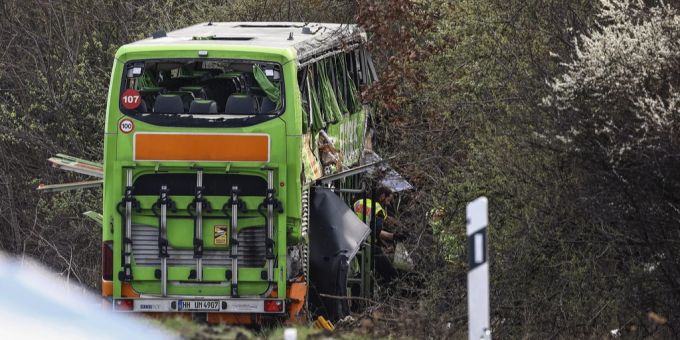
x: 334, y: 228
x: 335, y: 236
x: 389, y: 177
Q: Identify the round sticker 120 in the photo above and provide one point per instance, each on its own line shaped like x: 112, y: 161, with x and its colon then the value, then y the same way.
x: 126, y: 126
x: 131, y: 99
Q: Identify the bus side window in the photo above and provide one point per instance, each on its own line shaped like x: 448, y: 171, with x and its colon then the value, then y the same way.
x: 352, y: 65
x: 365, y: 76
x: 354, y: 83
x: 358, y: 57
x: 367, y: 72
x: 305, y: 100
x: 370, y: 68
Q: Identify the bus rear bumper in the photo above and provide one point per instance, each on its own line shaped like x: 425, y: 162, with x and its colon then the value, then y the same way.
x: 201, y: 305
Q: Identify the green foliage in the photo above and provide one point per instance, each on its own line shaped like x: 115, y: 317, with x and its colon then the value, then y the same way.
x: 573, y: 253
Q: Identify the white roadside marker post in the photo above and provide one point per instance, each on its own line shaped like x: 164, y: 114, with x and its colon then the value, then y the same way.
x: 478, y: 274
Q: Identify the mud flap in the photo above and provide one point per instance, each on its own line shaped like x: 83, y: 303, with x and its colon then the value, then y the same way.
x: 335, y: 236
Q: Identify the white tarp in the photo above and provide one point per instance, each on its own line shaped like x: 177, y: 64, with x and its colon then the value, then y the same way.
x: 37, y: 304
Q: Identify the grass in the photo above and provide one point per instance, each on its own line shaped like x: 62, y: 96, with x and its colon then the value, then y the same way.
x: 187, y: 329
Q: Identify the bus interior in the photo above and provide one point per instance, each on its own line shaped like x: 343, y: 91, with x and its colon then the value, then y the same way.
x: 200, y: 87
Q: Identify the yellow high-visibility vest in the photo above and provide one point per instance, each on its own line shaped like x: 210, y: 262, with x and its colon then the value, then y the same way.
x: 360, y: 210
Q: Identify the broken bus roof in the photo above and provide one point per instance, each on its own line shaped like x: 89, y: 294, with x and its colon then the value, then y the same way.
x: 308, y: 39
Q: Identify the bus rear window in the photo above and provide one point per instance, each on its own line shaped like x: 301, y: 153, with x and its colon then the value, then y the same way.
x: 199, y: 89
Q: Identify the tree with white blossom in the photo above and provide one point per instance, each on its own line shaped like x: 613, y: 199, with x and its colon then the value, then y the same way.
x: 621, y: 93
x: 616, y: 111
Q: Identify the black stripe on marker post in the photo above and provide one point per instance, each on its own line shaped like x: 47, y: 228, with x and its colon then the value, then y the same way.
x: 473, y: 245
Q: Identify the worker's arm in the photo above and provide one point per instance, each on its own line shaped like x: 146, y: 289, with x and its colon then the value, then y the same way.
x: 382, y: 234
x: 386, y: 235
x: 396, y: 236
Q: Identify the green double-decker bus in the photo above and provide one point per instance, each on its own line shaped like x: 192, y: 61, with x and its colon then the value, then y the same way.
x: 215, y: 136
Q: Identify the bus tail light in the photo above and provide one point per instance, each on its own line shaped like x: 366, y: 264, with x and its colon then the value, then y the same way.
x: 273, y: 306
x: 123, y: 305
x: 107, y: 260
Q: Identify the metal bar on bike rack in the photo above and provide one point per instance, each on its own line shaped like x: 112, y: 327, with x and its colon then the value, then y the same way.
x: 269, y: 241
x: 163, y: 239
x: 374, y: 238
x: 234, y: 240
x: 198, y: 227
x: 367, y: 251
x: 127, y: 237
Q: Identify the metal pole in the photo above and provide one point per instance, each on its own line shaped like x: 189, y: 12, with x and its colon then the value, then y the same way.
x: 127, y: 238
x: 234, y: 243
x: 270, y: 225
x: 367, y: 251
x: 478, y: 275
x: 374, y: 235
x: 198, y: 232
x: 163, y: 241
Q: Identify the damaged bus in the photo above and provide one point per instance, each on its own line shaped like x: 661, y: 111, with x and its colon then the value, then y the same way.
x: 220, y: 139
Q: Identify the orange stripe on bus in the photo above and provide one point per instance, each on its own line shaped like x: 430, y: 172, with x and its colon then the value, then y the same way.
x: 201, y: 147
x: 126, y: 289
x: 107, y: 288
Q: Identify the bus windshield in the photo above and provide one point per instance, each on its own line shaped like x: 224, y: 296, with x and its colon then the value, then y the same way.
x: 197, y: 91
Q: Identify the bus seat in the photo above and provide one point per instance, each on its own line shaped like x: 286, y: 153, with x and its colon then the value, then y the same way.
x: 241, y: 104
x: 168, y: 103
x: 187, y: 98
x: 267, y: 105
x: 149, y: 94
x: 203, y: 106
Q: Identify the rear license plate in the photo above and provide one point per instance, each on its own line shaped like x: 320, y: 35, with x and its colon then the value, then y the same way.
x: 199, y: 305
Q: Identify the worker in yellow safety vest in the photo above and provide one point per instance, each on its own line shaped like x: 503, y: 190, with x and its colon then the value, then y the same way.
x: 385, y: 198
x: 383, y: 266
